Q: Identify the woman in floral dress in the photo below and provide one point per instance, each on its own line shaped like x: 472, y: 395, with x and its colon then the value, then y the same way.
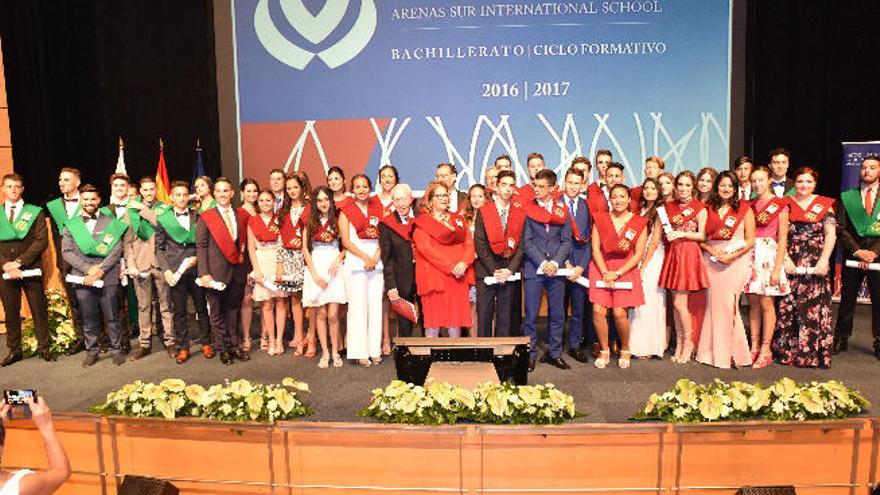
x: 804, y: 331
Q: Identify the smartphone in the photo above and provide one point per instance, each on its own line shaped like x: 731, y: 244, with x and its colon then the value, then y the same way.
x: 16, y: 398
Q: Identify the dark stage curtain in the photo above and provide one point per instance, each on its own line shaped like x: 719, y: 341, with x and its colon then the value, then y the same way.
x: 813, y: 79
x: 80, y: 74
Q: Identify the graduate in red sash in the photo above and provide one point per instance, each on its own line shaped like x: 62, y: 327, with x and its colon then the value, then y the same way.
x: 598, y: 198
x: 859, y: 231
x: 293, y: 216
x: 498, y: 243
x: 730, y: 233
x: 220, y: 244
x: 249, y: 190
x: 336, y: 183
x: 264, y: 239
x: 804, y: 334
x: 683, y: 272
x: 767, y: 278
x: 395, y: 241
x: 444, y: 254
x: 23, y: 238
x: 654, y: 166
x: 618, y: 245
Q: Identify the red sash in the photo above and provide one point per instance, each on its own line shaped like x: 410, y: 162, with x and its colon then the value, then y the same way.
x: 325, y: 233
x: 635, y: 199
x: 722, y: 229
x: 541, y: 215
x: 342, y: 202
x: 440, y: 232
x: 596, y: 200
x: 680, y: 214
x: 769, y: 212
x: 263, y: 232
x: 404, y: 231
x: 217, y: 228
x: 622, y: 243
x: 575, y: 231
x: 291, y: 233
x: 524, y: 194
x: 814, y: 213
x: 367, y: 226
x: 386, y: 210
x: 502, y: 243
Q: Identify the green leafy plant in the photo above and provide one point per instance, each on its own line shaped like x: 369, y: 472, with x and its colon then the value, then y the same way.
x: 442, y: 403
x: 240, y: 400
x: 61, y: 332
x: 784, y: 400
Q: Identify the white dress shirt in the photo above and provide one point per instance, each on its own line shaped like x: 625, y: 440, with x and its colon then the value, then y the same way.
x: 71, y: 206
x: 229, y: 213
x: 90, y: 224
x: 16, y: 207
x: 182, y: 218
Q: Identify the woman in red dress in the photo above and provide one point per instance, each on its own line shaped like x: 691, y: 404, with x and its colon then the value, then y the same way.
x: 618, y: 245
x: 444, y: 253
x: 683, y: 272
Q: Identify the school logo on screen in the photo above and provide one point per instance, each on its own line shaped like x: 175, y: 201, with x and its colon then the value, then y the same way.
x: 315, y: 29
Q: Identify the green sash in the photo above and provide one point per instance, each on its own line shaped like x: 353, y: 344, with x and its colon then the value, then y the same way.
x: 788, y: 193
x: 20, y: 227
x: 145, y: 229
x: 205, y: 207
x: 866, y: 226
x: 87, y: 242
x: 168, y: 220
x: 59, y: 213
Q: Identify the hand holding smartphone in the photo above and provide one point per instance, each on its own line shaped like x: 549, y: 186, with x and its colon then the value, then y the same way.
x: 19, y: 402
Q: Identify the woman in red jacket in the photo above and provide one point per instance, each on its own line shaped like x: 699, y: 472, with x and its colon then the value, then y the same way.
x: 444, y: 253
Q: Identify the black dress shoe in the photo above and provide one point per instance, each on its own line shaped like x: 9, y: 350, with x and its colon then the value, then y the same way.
x: 558, y: 362
x: 91, y: 358
x: 46, y: 354
x: 241, y: 355
x: 226, y: 358
x: 532, y: 364
x: 12, y: 358
x: 840, y: 345
x: 877, y: 353
x: 172, y: 351
x: 141, y: 353
x: 595, y: 349
x: 78, y: 347
x: 118, y: 359
x: 579, y: 355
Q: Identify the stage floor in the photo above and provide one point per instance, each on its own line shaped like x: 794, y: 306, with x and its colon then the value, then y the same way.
x: 609, y: 395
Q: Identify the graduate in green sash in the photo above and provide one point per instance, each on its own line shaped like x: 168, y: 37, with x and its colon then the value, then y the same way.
x: 204, y: 195
x: 23, y: 238
x: 91, y: 245
x: 120, y: 185
x: 858, y: 234
x: 60, y: 210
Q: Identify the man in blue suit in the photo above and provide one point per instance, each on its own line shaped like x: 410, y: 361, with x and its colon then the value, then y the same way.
x: 578, y: 259
x: 547, y: 243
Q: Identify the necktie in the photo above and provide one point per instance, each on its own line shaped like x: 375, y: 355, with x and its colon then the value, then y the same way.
x: 742, y: 194
x: 869, y: 200
x: 228, y: 221
x: 571, y: 207
x: 503, y: 215
x: 11, y: 213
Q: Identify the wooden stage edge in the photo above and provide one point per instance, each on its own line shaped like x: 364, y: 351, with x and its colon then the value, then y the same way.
x: 206, y: 457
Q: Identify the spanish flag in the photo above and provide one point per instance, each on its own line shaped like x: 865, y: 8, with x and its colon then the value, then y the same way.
x: 162, y: 182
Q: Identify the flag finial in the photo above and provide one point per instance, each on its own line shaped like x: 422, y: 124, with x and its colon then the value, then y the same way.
x: 161, y: 144
x: 121, y: 143
x: 198, y: 143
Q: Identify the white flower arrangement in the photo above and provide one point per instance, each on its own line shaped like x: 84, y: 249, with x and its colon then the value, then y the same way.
x: 61, y: 332
x: 784, y: 400
x: 442, y: 403
x: 240, y: 400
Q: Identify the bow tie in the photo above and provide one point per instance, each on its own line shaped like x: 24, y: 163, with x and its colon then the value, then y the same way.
x: 184, y: 214
x: 780, y: 183
x: 87, y: 218
x: 72, y: 200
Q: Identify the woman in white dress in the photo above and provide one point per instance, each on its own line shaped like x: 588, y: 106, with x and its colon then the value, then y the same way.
x: 648, y: 327
x: 323, y: 287
x: 359, y: 229
x: 24, y: 481
x: 264, y: 242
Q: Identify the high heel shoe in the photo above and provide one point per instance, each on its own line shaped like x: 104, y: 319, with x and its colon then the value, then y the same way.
x: 312, y: 349
x: 764, y: 360
x: 365, y: 363
x: 337, y: 360
x: 279, y: 349
x: 264, y: 343
x: 298, y: 347
x: 386, y: 347
x: 324, y: 363
x: 687, y: 353
x: 246, y: 344
x: 270, y: 349
x: 623, y: 362
x: 755, y: 354
x: 602, y: 361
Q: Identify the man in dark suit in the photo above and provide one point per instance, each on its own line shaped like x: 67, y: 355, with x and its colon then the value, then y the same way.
x: 498, y: 243
x: 91, y: 245
x: 858, y: 233
x: 447, y: 175
x: 395, y: 244
x: 60, y: 210
x: 176, y: 259
x: 220, y: 243
x: 547, y: 243
x: 578, y: 259
x: 781, y: 184
x: 23, y: 238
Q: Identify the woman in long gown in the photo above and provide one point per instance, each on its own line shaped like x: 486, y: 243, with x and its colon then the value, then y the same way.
x: 730, y: 234
x: 647, y: 338
x: 804, y: 331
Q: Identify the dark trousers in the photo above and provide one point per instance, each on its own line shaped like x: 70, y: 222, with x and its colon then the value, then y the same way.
x: 10, y: 294
x: 224, y: 308
x: 75, y: 313
x: 581, y: 314
x: 183, y: 337
x: 851, y: 281
x: 516, y: 320
x: 495, y: 303
x: 555, y: 287
x: 95, y: 303
x: 408, y: 292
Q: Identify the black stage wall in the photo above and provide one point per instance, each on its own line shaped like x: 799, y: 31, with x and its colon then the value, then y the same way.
x: 80, y: 73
